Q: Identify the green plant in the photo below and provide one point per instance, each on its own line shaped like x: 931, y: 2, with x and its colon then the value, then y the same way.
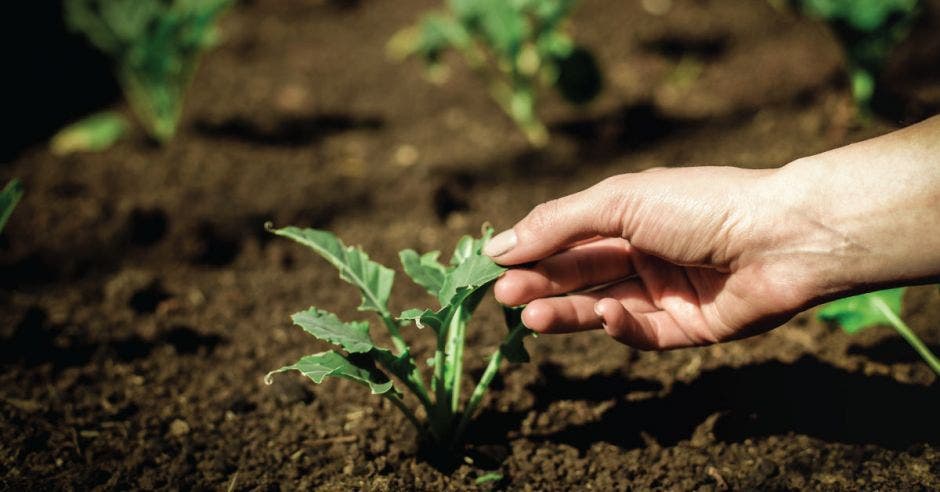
x: 868, y: 30
x: 514, y: 45
x: 9, y: 196
x: 155, y: 46
x: 877, y: 308
x: 458, y: 286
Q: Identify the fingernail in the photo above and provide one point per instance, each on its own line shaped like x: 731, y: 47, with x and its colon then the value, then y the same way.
x: 500, y: 244
x: 597, y: 309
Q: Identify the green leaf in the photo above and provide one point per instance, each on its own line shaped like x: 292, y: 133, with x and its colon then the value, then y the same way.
x: 373, y: 280
x: 513, y: 348
x: 424, y: 270
x: 864, y: 15
x: 863, y: 311
x: 504, y: 26
x: 318, y: 366
x: 489, y: 477
x: 425, y: 317
x: 471, y: 274
x: 92, y: 134
x: 354, y: 336
x: 9, y: 197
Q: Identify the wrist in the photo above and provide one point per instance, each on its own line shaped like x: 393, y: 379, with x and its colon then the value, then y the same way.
x: 796, y: 240
x: 861, y: 217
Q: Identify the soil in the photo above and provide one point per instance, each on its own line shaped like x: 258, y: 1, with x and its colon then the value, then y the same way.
x: 141, y: 300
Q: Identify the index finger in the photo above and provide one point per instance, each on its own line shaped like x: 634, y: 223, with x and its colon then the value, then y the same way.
x: 558, y: 224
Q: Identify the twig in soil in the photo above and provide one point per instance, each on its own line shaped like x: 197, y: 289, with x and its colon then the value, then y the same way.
x: 231, y: 485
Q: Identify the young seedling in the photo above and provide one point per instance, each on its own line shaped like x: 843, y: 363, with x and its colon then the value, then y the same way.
x: 9, y: 196
x: 868, y: 31
x: 458, y: 286
x: 877, y: 308
x: 155, y: 46
x: 514, y: 45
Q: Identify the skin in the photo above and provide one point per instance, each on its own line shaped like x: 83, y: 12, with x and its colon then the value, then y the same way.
x: 671, y: 258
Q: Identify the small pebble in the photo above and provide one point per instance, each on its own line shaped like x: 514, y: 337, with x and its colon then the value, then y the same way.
x: 179, y: 427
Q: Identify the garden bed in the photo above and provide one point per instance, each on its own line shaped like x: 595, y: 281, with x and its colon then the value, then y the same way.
x: 142, y: 301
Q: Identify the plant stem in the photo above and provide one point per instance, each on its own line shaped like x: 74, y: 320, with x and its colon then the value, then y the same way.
x: 442, y: 413
x: 491, y: 369
x: 457, y: 363
x: 396, y: 400
x: 908, y: 335
x: 415, y: 380
x: 395, y: 332
x: 453, y: 356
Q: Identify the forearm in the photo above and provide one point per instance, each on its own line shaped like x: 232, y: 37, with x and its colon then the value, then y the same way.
x: 866, y: 215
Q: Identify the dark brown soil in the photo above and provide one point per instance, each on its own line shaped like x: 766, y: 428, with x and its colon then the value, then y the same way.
x: 141, y: 301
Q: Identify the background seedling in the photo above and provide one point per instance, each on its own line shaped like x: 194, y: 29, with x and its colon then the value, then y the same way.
x: 515, y: 46
x: 877, y: 308
x: 868, y: 31
x: 9, y: 197
x: 155, y: 46
x: 459, y: 287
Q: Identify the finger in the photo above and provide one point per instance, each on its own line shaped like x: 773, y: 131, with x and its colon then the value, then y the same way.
x: 561, y: 314
x: 656, y: 330
x: 556, y: 224
x: 575, y: 312
x: 584, y: 266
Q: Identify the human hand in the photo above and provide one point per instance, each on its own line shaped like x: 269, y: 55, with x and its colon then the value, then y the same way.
x: 677, y: 257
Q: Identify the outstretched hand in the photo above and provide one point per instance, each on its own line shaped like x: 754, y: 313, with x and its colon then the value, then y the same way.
x: 662, y: 259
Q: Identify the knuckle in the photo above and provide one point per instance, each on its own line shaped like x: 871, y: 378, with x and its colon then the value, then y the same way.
x: 543, y: 215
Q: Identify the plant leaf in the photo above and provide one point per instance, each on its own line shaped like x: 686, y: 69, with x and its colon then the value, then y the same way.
x: 512, y: 347
x: 331, y: 363
x: 467, y: 246
x: 862, y: 311
x: 424, y: 270
x: 425, y: 317
x: 373, y: 279
x: 472, y: 273
x: 9, y: 197
x: 353, y: 336
x: 92, y: 134
x: 488, y: 477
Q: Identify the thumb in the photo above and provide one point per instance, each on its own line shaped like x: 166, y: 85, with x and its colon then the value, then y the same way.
x: 557, y: 224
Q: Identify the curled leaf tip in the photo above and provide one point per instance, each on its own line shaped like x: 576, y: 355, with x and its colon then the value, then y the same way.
x: 269, y: 378
x: 269, y: 226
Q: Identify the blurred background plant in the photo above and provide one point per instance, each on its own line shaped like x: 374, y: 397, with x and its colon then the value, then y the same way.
x: 868, y: 31
x: 155, y: 47
x: 91, y: 134
x: 514, y: 45
x: 9, y: 196
x: 878, y: 308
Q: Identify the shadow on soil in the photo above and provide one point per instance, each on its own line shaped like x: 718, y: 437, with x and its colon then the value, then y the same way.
x: 891, y: 351
x: 597, y: 140
x: 288, y: 132
x: 35, y: 341
x: 807, y: 397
